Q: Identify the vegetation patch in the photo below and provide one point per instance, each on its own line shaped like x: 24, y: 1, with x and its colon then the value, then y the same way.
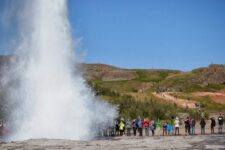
x: 151, y: 76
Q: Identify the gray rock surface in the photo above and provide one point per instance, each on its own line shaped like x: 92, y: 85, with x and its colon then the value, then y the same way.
x: 208, y: 142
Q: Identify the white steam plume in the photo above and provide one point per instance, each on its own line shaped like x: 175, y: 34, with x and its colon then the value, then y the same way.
x: 51, y: 98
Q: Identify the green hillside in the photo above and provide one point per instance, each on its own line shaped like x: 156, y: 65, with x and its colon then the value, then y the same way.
x: 134, y: 95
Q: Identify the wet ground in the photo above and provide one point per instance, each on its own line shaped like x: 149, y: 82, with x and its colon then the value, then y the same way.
x: 208, y: 142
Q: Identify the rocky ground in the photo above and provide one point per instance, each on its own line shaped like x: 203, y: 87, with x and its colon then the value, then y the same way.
x: 208, y: 142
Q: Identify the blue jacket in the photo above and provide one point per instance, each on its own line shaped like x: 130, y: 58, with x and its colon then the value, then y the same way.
x: 139, y: 123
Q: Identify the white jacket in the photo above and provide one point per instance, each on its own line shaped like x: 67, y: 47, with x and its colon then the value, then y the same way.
x: 177, y: 123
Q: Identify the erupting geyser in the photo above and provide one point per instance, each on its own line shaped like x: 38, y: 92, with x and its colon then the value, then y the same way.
x: 49, y: 98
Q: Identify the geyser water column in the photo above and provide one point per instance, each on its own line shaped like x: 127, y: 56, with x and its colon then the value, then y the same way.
x: 53, y: 99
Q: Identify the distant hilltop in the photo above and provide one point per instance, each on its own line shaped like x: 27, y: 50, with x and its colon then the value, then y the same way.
x: 208, y: 78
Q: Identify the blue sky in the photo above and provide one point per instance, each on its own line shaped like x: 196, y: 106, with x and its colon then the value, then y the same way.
x: 169, y: 34
x: 175, y: 34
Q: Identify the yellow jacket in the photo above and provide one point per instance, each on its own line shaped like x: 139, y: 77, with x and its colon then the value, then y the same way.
x: 121, y: 125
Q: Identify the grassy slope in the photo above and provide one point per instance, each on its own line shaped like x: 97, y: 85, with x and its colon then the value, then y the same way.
x: 134, y: 96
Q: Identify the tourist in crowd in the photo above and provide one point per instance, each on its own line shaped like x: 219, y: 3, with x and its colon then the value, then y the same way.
x: 187, y: 125
x: 4, y: 130
x: 202, y: 124
x: 117, y: 128
x: 190, y: 124
x: 165, y: 128
x: 146, y: 126
x: 121, y: 128
x: 153, y: 127
x: 213, y: 124
x: 140, y: 125
x: 111, y: 131
x: 124, y: 122
x: 220, y: 123
x: 193, y: 126
x: 128, y: 127
x: 169, y: 129
x: 177, y: 125
x: 1, y: 128
x: 134, y: 124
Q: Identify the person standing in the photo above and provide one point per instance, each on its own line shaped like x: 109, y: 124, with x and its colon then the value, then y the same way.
x: 1, y: 128
x: 117, y: 133
x: 128, y: 126
x: 177, y: 125
x: 121, y: 127
x: 213, y: 124
x: 220, y: 122
x: 134, y: 124
x: 193, y: 126
x: 187, y: 125
x: 146, y: 127
x: 153, y: 127
x: 4, y: 130
x: 165, y: 128
x: 202, y: 124
x: 140, y: 125
x: 169, y: 129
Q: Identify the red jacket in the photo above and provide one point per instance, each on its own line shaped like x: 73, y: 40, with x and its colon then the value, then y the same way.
x: 146, y: 123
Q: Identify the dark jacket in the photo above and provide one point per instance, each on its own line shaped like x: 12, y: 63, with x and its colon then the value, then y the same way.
x: 193, y: 123
x: 202, y: 123
x: 213, y: 123
x: 220, y: 120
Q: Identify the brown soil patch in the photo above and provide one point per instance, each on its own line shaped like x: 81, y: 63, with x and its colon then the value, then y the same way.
x: 178, y: 101
x: 217, y: 97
